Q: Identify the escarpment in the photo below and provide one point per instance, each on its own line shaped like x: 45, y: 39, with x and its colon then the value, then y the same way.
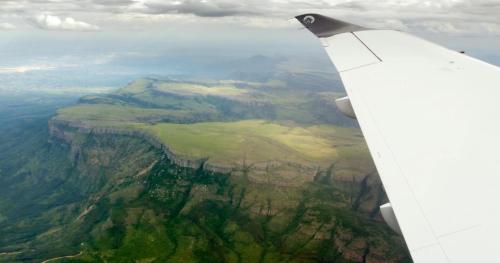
x: 182, y: 170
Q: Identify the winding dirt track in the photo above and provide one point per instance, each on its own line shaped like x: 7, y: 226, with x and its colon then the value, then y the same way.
x: 54, y: 259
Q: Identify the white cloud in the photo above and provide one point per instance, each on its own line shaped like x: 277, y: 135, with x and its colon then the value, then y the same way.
x: 51, y: 22
x: 453, y: 17
x: 395, y: 24
x: 24, y: 69
x: 7, y: 26
x: 493, y: 28
x: 439, y: 27
x: 427, y: 16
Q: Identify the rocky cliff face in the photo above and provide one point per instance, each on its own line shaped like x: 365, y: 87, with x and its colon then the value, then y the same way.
x: 71, y: 131
x: 275, y: 211
x: 366, y: 190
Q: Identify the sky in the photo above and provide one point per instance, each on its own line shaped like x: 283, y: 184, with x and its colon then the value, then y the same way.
x: 134, y: 37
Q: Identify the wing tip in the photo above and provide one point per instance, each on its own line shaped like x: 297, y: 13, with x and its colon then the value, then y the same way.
x: 323, y: 26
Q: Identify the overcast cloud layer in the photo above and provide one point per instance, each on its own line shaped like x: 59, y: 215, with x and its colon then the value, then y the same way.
x: 454, y: 17
x: 91, y: 42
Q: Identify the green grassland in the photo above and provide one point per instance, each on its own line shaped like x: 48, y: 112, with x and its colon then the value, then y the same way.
x: 108, y: 115
x: 236, y: 142
x: 205, y: 121
x: 190, y: 89
x: 257, y: 141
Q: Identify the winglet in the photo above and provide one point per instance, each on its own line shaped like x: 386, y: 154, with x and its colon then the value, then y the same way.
x: 323, y: 26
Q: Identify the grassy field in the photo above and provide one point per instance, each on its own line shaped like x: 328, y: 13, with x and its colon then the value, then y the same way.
x: 194, y: 89
x: 193, y: 121
x: 135, y: 87
x: 116, y: 115
x: 228, y: 143
x: 257, y: 141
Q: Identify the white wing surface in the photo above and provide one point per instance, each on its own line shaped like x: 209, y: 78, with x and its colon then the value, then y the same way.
x: 431, y: 118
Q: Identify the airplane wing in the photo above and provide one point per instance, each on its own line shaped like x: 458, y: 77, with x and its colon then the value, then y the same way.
x: 431, y: 119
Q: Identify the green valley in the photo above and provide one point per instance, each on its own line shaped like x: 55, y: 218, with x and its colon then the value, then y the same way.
x: 190, y: 171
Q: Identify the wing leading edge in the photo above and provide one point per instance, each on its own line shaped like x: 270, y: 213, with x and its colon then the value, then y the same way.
x: 429, y: 116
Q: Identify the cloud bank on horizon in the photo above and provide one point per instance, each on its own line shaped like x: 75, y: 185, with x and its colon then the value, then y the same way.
x: 156, y: 35
x: 454, y: 17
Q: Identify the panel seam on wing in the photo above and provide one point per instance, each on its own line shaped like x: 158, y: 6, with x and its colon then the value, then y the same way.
x: 428, y: 246
x: 458, y: 231
x: 358, y: 67
x: 359, y: 39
